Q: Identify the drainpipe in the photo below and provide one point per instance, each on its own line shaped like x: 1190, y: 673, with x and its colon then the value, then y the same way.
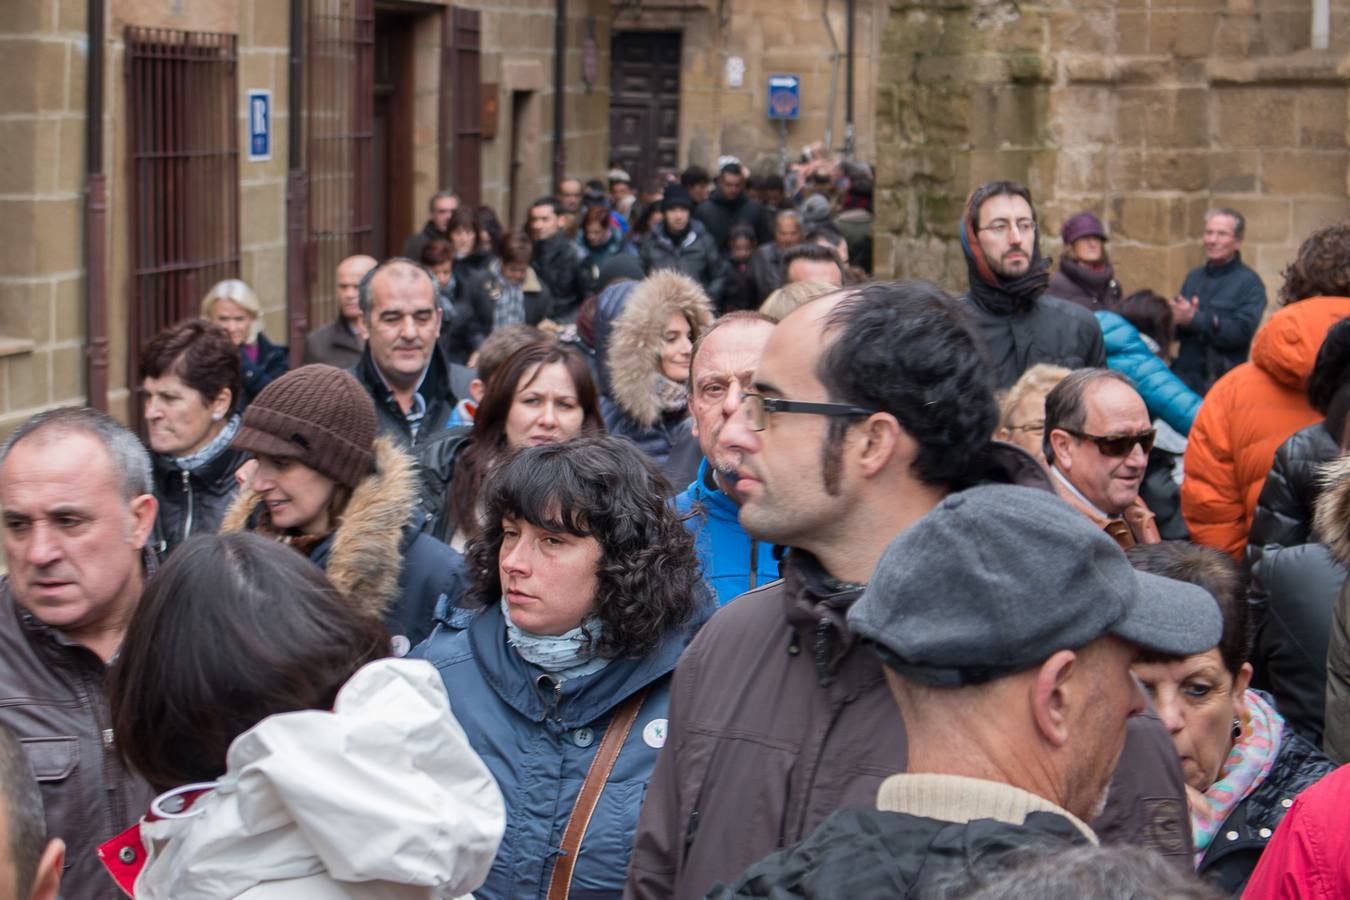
x: 297, y: 194
x: 559, y: 86
x: 95, y: 219
x: 848, y: 85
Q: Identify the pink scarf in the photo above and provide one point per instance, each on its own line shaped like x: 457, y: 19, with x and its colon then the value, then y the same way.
x: 1248, y: 764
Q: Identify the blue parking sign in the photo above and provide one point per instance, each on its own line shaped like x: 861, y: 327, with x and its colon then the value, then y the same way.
x: 259, y: 125
x: 785, y: 96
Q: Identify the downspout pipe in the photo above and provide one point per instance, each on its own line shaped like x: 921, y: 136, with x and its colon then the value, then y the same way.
x: 95, y: 217
x: 559, y: 93
x: 297, y: 192
x: 848, y: 82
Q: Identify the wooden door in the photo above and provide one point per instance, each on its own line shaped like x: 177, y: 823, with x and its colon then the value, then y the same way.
x: 644, y: 106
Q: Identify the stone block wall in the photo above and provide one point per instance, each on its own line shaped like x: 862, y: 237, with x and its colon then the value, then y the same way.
x: 42, y: 106
x: 1146, y: 112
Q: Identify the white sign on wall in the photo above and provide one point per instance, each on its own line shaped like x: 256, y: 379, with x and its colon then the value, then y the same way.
x: 735, y: 71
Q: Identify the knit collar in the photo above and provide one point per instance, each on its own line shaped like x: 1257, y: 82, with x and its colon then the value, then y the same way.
x: 1223, y: 268
x: 217, y: 445
x: 958, y: 799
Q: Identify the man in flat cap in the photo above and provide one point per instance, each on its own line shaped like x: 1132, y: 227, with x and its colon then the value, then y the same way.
x: 1006, y: 623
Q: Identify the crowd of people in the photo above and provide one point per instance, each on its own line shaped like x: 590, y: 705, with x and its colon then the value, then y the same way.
x: 654, y: 551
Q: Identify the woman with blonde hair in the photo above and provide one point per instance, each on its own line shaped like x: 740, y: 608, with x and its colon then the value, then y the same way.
x: 234, y: 306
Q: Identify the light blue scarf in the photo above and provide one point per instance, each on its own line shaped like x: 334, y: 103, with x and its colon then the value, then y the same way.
x: 564, y: 655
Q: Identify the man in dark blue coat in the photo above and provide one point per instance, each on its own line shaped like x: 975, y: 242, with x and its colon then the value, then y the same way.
x: 1219, y: 306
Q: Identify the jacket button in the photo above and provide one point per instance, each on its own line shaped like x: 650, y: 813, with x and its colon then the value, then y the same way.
x: 1286, y: 803
x: 1232, y: 835
x: 127, y: 855
x: 583, y: 737
x: 1264, y: 832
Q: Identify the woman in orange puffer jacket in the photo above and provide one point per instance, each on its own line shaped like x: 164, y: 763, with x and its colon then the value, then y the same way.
x: 1251, y: 410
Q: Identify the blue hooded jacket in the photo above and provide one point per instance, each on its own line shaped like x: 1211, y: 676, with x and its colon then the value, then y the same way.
x: 732, y: 561
x: 1166, y: 396
x: 538, y: 741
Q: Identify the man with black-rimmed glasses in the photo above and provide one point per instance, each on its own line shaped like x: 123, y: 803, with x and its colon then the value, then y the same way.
x: 1021, y: 325
x: 1097, y: 438
x: 868, y: 407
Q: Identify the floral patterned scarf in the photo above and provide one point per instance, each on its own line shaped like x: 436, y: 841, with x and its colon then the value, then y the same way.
x: 1247, y: 766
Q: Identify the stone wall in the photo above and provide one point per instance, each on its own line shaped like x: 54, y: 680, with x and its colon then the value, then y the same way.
x: 769, y: 37
x: 41, y: 188
x: 1146, y: 112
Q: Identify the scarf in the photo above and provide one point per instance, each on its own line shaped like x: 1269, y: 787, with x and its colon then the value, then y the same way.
x: 1247, y: 766
x: 1099, y: 280
x: 510, y: 308
x: 217, y: 445
x: 993, y: 292
x: 672, y: 396
x: 563, y: 656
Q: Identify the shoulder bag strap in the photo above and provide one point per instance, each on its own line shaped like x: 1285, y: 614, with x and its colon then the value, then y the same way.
x: 602, y: 764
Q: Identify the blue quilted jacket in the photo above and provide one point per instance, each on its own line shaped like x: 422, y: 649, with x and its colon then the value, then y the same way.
x: 1166, y: 395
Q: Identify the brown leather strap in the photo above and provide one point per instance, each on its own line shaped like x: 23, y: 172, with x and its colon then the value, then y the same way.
x: 601, y: 765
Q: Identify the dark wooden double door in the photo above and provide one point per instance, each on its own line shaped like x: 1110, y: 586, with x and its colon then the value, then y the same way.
x: 644, y: 106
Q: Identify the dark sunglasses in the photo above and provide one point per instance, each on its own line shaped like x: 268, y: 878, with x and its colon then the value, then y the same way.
x: 1120, y: 445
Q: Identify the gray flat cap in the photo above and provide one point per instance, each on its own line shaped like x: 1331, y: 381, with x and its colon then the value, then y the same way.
x: 997, y: 578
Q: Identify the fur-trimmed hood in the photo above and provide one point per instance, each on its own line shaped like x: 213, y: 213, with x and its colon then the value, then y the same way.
x: 365, y: 557
x: 634, y: 350
x: 1331, y: 518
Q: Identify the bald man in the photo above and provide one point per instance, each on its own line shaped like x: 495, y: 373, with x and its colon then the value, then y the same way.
x: 340, y: 343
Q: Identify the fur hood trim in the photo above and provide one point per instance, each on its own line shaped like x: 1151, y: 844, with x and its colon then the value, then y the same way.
x: 635, y: 339
x: 366, y: 558
x: 1331, y: 516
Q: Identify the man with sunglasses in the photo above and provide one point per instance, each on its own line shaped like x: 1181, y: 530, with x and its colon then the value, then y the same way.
x: 1097, y: 439
x: 779, y: 716
x: 1020, y: 323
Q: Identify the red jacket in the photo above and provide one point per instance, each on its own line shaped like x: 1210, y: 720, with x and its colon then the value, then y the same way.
x: 1246, y: 416
x: 1309, y: 856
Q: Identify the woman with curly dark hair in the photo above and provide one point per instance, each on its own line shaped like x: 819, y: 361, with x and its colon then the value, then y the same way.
x: 588, y: 591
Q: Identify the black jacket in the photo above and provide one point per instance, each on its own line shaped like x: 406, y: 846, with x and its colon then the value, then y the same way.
x: 1284, y: 510
x: 718, y: 214
x: 1301, y: 586
x: 488, y: 290
x: 272, y: 364
x: 436, y: 390
x: 412, y: 247
x: 1050, y: 331
x: 695, y: 256
x: 872, y: 853
x: 1228, y: 862
x: 561, y: 266
x: 766, y: 268
x: 1232, y: 301
x: 193, y: 502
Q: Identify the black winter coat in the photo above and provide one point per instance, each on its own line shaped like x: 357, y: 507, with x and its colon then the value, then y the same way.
x: 873, y: 853
x: 1228, y: 861
x: 1284, y: 510
x: 193, y: 502
x: 696, y: 256
x: 1050, y: 331
x: 436, y: 390
x: 718, y: 214
x: 1302, y: 584
x: 561, y: 265
x: 272, y: 364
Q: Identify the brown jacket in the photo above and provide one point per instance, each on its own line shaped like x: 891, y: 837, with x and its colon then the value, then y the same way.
x: 779, y: 717
x: 1140, y: 524
x: 52, y: 697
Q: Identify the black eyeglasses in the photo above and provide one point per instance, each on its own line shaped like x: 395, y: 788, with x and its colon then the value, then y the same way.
x: 1119, y: 445
x: 757, y: 407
